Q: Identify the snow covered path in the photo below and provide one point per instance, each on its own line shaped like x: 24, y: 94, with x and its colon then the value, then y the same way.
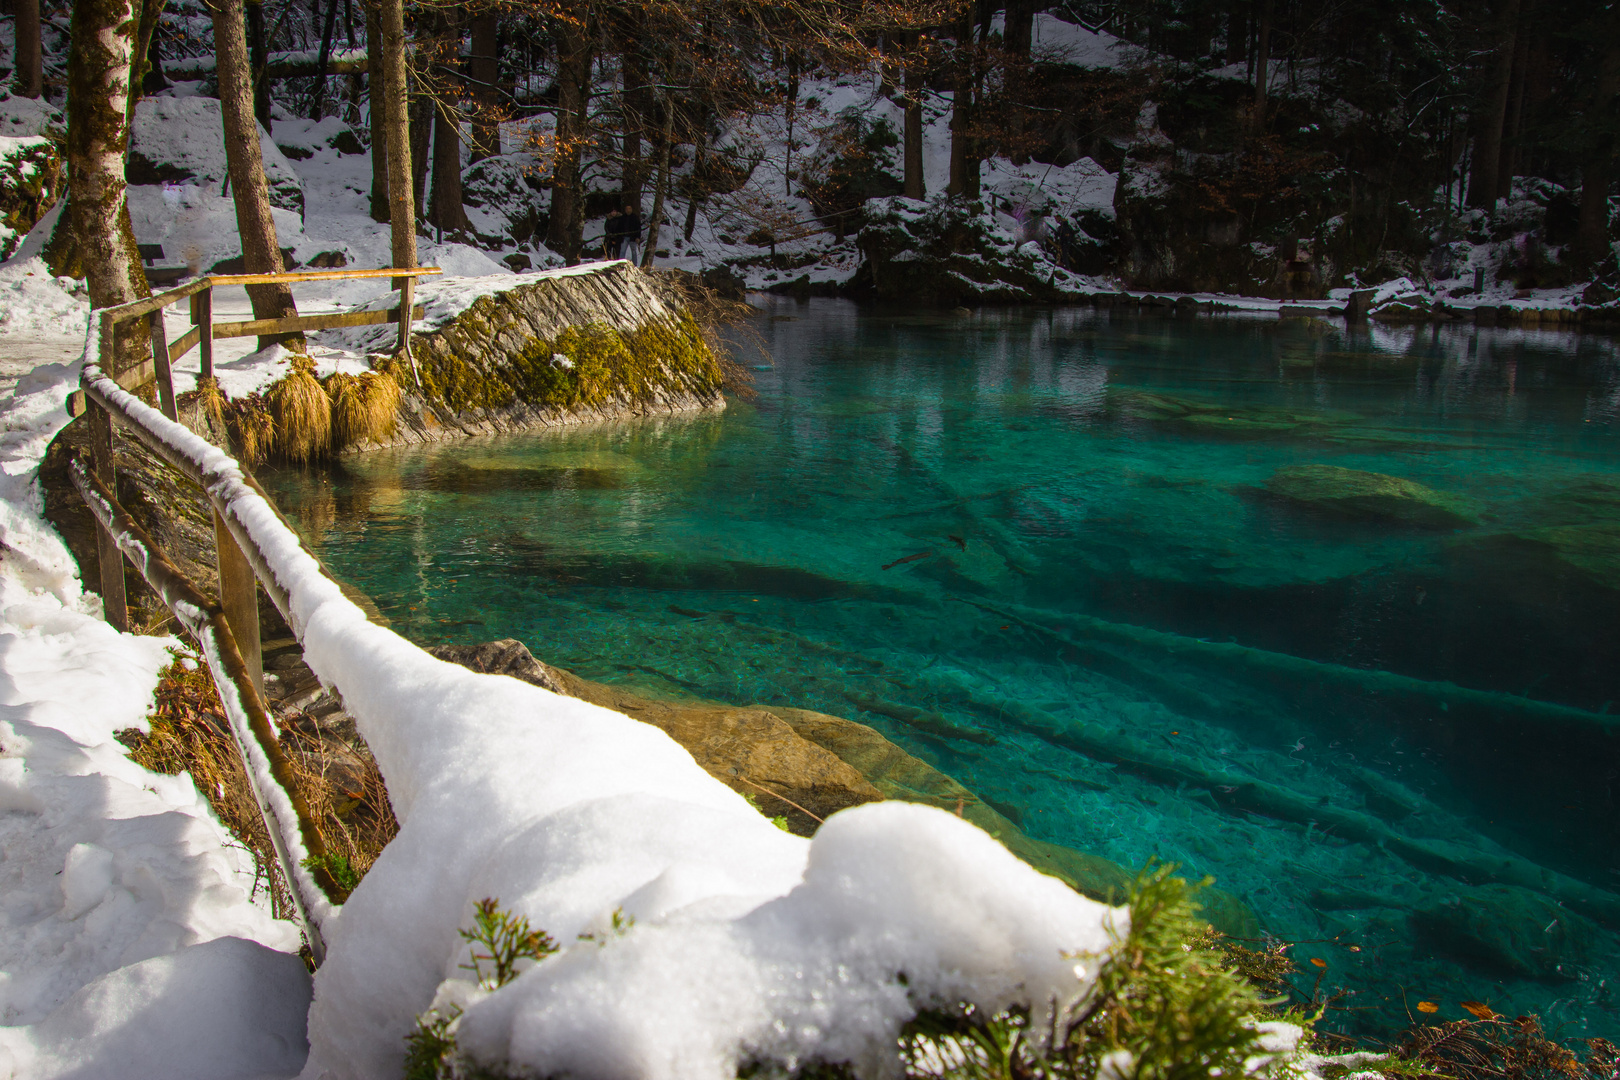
x: 130, y: 943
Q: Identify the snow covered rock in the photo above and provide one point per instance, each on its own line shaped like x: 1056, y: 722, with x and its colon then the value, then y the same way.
x: 182, y: 141
x: 506, y: 199
x: 30, y: 179
x: 953, y: 251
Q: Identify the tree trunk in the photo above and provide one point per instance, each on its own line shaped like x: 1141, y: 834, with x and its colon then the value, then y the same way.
x: 260, y: 57
x: 401, y: 205
x: 912, y: 149
x: 421, y: 113
x: 1591, y: 243
x: 1488, y: 137
x: 1019, y: 40
x: 318, y: 99
x: 667, y: 137
x: 483, y: 69
x: 792, y: 108
x: 244, y: 160
x: 565, y: 232
x: 99, y: 229
x: 147, y: 15
x: 637, y: 105
x: 963, y: 161
x: 154, y: 80
x: 700, y: 166
x: 1262, y: 64
x: 1508, y: 163
x: 446, y: 211
x: 1237, y: 36
x: 379, y: 116
x: 28, y: 78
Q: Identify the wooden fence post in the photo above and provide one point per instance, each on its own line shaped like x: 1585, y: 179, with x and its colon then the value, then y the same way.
x: 202, y: 317
x: 160, y: 365
x: 239, y: 596
x: 407, y: 297
x: 113, y: 603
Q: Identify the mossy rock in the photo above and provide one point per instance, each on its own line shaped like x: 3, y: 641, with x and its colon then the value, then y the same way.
x: 1370, y: 496
x: 1593, y: 550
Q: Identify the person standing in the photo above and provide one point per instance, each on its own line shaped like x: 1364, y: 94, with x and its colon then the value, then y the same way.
x: 612, y: 236
x: 630, y: 233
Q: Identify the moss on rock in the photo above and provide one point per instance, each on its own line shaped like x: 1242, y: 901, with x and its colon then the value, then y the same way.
x: 1351, y: 493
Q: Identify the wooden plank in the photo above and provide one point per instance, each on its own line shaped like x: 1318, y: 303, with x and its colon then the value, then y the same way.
x: 136, y: 308
x: 320, y: 275
x: 113, y: 604
x: 239, y: 596
x: 183, y: 344
x: 160, y: 361
x: 202, y: 315
x: 258, y: 327
x: 132, y: 379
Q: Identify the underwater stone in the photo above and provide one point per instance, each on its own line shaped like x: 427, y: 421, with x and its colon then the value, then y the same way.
x: 1351, y: 493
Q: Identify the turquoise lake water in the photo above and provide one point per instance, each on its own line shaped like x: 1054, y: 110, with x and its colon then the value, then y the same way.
x: 1031, y: 524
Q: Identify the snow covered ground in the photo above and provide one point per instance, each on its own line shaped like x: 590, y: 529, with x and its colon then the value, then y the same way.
x: 131, y: 941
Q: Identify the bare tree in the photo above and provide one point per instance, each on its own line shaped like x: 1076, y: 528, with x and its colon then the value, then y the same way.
x: 99, y: 239
x: 379, y: 115
x: 1482, y: 187
x: 27, y: 80
x: 565, y: 233
x: 261, y: 252
x: 401, y: 196
x: 483, y: 72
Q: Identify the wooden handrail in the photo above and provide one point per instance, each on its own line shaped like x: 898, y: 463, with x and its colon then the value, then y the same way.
x: 147, y: 304
x: 232, y: 656
x: 205, y: 330
x: 238, y: 693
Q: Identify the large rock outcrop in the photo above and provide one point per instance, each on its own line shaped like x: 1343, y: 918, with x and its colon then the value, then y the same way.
x: 546, y: 350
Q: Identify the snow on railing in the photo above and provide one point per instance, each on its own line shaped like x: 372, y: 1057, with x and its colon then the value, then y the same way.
x: 693, y: 935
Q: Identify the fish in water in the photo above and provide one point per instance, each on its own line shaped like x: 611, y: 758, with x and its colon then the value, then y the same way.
x: 909, y: 558
x: 958, y: 541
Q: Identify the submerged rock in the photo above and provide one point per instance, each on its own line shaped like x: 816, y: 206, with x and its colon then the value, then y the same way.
x: 1218, y: 418
x: 1352, y: 493
x: 1505, y: 929
x: 824, y: 763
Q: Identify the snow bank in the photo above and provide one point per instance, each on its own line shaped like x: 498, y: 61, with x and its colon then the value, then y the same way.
x: 113, y: 876
x: 217, y: 1011
x: 182, y: 140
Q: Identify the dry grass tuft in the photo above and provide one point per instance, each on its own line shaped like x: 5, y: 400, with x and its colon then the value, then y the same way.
x: 339, y: 778
x: 252, y: 430
x: 189, y: 733
x: 212, y: 399
x: 303, y: 413
x: 363, y: 409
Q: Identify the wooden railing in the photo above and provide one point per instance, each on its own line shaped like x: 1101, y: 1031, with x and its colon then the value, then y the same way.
x: 227, y: 632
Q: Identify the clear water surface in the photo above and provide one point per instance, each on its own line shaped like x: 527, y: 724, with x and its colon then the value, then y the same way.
x: 1032, y: 523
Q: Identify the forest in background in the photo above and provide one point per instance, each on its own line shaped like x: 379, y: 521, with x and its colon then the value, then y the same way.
x: 1261, y: 146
